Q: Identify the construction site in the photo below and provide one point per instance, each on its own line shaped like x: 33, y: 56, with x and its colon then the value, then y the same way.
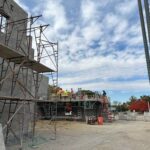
x: 34, y: 117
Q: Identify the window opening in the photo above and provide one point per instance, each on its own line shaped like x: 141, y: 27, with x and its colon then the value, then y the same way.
x: 3, y: 22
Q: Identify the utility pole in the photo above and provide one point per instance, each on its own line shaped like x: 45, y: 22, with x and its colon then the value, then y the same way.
x: 146, y: 36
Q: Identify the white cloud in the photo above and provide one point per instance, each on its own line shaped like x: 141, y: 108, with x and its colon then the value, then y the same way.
x: 98, y: 86
x: 88, y: 10
x: 111, y: 20
x: 118, y: 63
x: 92, y: 32
x: 126, y: 7
x: 54, y: 11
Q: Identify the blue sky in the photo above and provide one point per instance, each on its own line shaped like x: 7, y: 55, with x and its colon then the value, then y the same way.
x: 100, y: 42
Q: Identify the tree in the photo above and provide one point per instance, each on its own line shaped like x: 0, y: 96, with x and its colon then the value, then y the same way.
x: 86, y: 92
x: 146, y: 98
x: 139, y: 105
x: 132, y: 98
x: 120, y: 107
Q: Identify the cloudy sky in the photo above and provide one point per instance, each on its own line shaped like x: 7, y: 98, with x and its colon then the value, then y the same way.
x: 100, y: 44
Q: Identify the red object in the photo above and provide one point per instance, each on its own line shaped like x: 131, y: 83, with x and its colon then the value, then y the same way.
x: 100, y: 120
x: 139, y: 105
x: 68, y: 107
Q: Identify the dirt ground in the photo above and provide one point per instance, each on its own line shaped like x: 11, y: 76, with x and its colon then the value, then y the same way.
x: 119, y: 135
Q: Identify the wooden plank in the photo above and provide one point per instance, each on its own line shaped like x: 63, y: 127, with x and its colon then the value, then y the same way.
x: 21, y: 99
x: 36, y: 66
x: 7, y: 53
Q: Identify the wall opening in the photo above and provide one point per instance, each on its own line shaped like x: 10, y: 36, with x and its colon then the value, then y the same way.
x: 3, y: 22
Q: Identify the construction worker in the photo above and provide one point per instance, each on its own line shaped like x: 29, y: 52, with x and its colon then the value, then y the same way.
x: 104, y: 101
x: 104, y: 93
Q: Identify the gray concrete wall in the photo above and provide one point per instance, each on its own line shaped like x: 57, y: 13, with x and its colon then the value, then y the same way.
x: 43, y: 89
x: 2, y: 145
x: 133, y: 116
x: 17, y: 13
x: 25, y: 75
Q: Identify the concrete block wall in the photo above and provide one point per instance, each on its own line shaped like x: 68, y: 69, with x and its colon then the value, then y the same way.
x: 43, y: 89
x: 133, y: 116
x: 147, y: 116
x: 16, y: 13
x: 19, y: 119
x: 2, y: 145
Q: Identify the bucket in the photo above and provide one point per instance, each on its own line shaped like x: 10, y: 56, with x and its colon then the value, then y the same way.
x: 100, y: 120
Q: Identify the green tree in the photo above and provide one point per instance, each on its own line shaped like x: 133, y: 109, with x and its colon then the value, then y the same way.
x: 146, y: 98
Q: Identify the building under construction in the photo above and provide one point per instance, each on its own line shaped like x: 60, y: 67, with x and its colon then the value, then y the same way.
x: 24, y: 79
x: 77, y: 106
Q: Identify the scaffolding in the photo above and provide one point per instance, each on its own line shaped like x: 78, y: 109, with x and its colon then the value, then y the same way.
x: 20, y: 66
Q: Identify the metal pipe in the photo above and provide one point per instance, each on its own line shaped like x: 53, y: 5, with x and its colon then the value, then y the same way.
x: 144, y: 37
x: 146, y: 4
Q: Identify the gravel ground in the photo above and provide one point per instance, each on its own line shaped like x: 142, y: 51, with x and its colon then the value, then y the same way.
x: 119, y: 135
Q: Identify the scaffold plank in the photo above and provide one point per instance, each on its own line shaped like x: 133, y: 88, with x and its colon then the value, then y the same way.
x: 3, y: 98
x: 36, y: 66
x: 7, y: 53
x: 16, y: 57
